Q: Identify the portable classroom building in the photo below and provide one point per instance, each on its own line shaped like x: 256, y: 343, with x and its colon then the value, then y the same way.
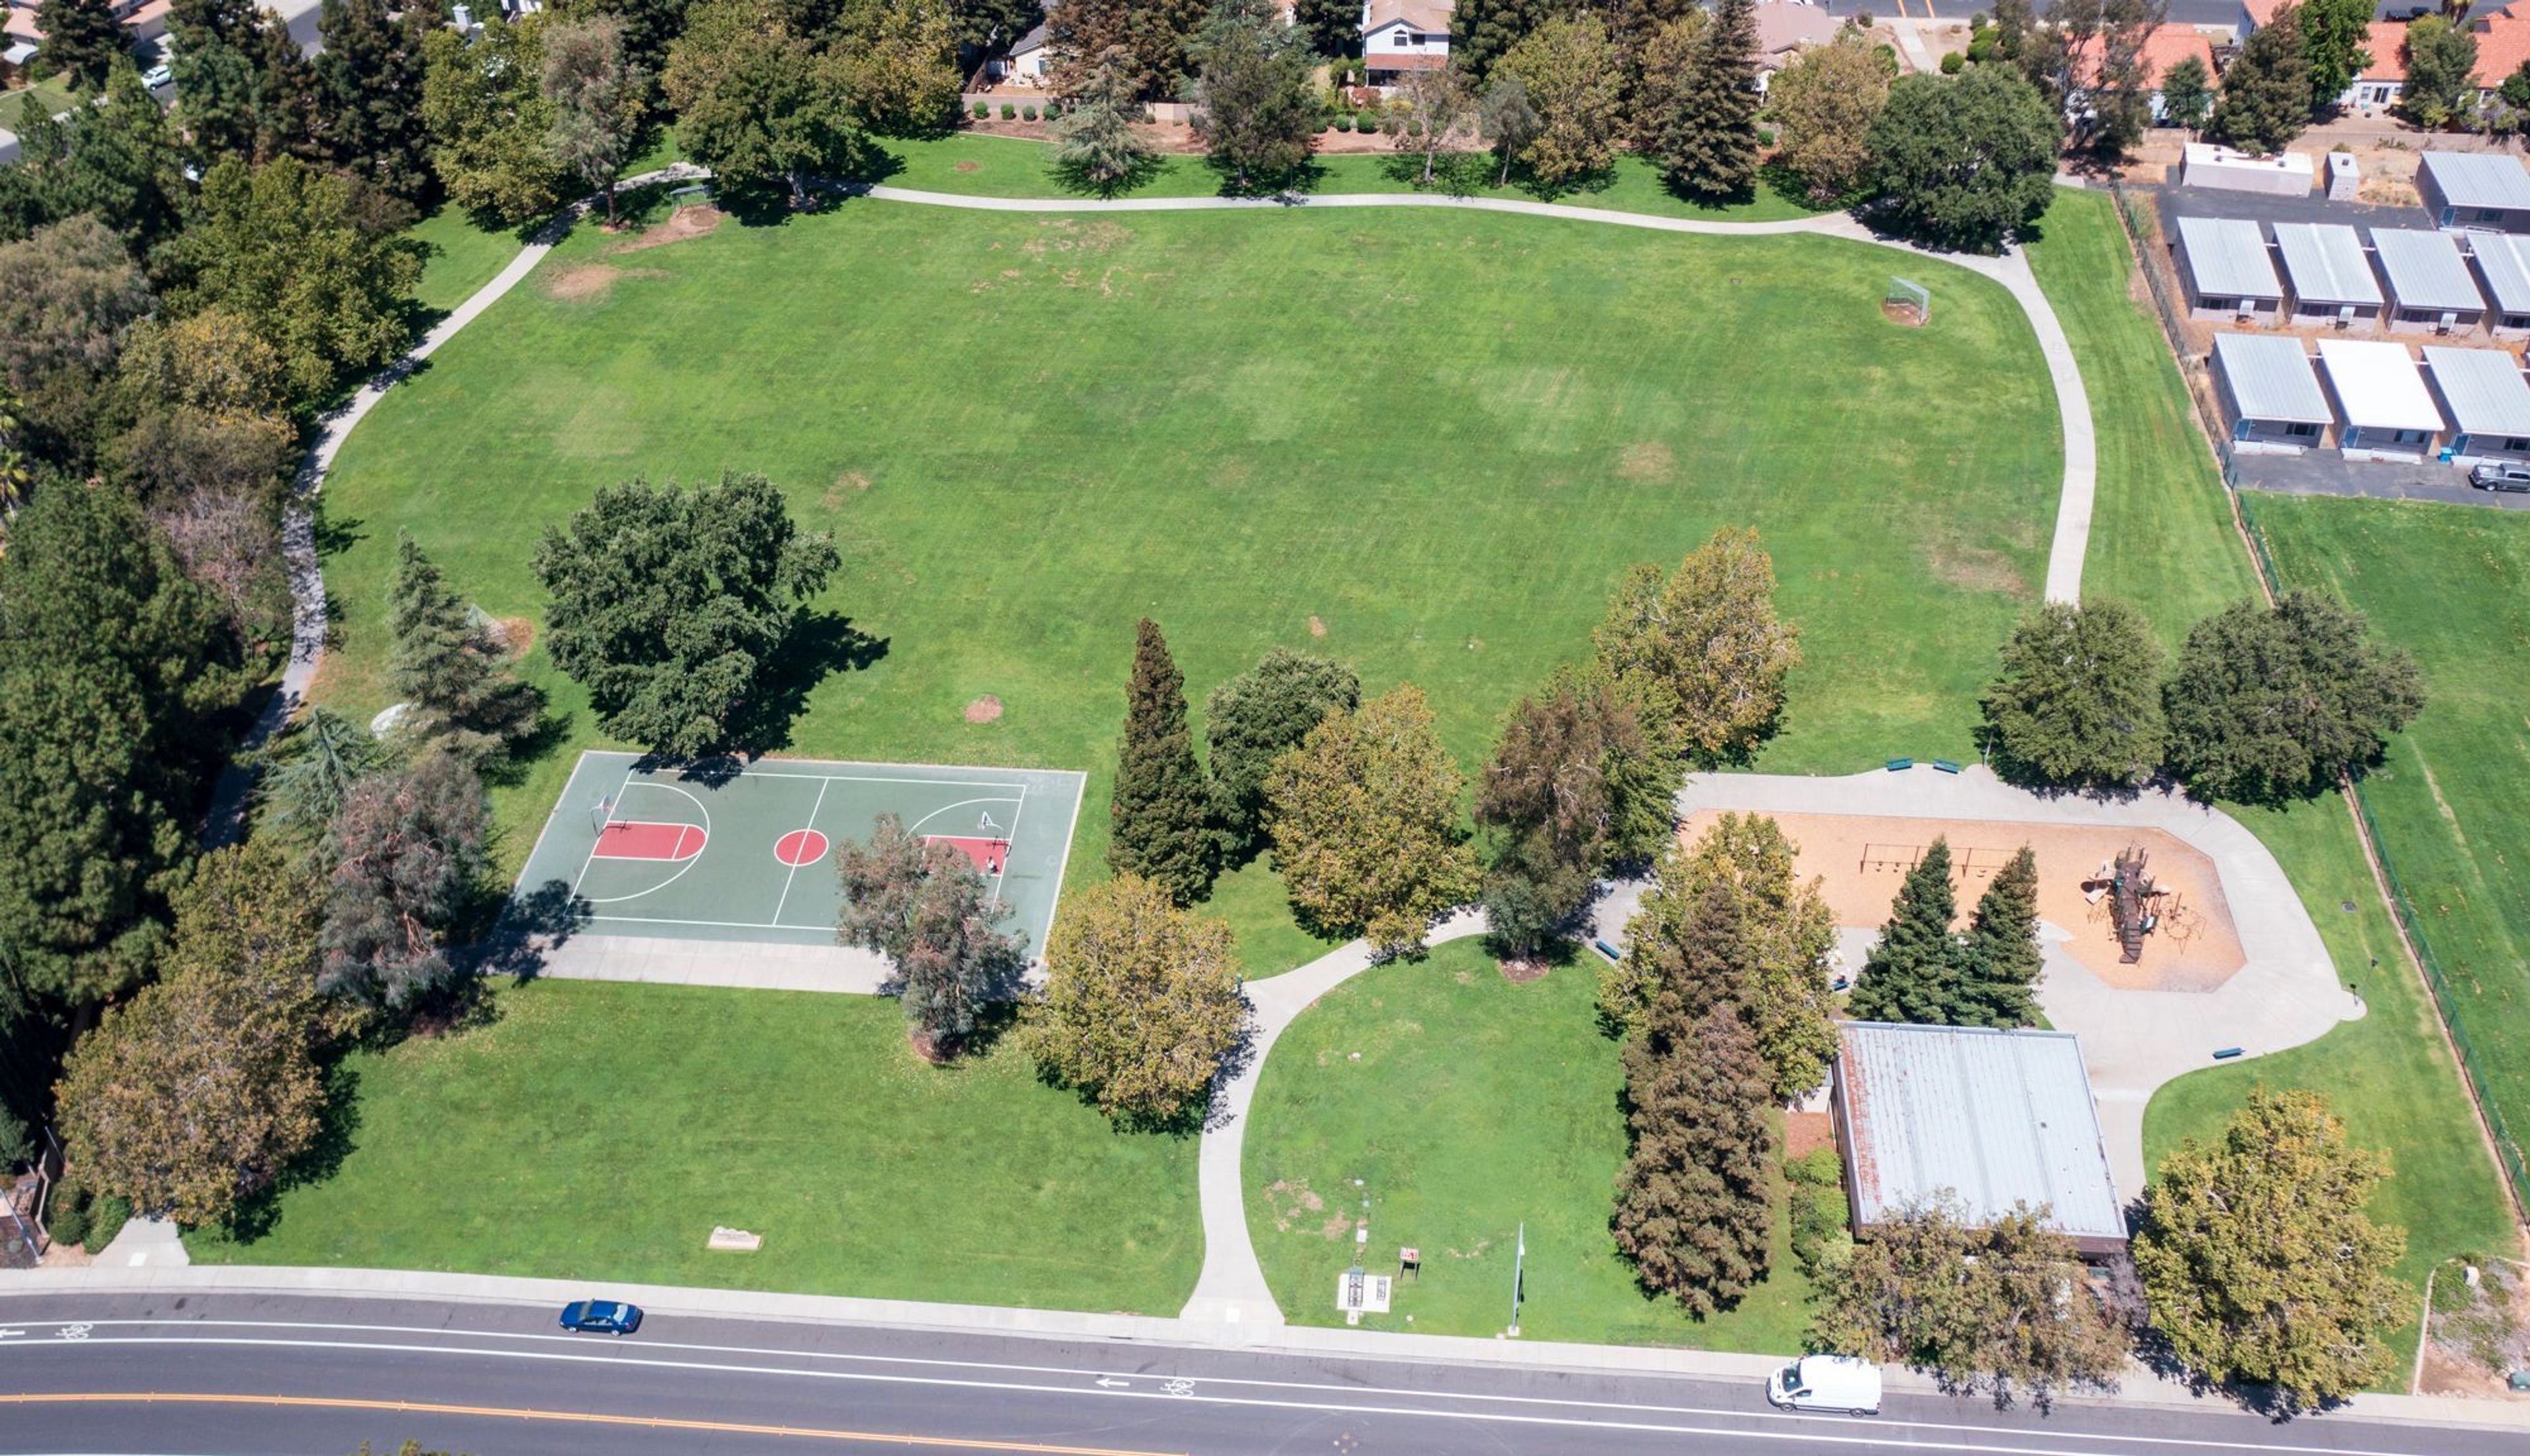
x: 2501, y: 261
x: 2430, y: 289
x: 2224, y: 265
x: 2488, y: 402
x: 2326, y: 276
x: 2285, y: 175
x: 2270, y: 395
x: 2474, y: 190
x: 2382, y: 404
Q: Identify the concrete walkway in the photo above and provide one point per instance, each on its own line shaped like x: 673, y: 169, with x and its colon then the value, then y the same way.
x: 2132, y: 1041
x: 1232, y: 1289
x: 2073, y: 505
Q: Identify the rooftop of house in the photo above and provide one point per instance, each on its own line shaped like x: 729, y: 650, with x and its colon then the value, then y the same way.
x: 2166, y: 46
x: 1431, y: 16
x: 1782, y: 26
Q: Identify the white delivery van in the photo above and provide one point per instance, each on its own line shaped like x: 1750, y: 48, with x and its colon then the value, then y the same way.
x: 1826, y: 1383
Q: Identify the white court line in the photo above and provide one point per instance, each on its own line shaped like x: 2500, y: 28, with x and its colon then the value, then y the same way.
x: 1804, y: 1429
x: 880, y: 779
x: 1014, y: 846
x: 681, y: 870
x: 810, y: 827
x: 591, y: 857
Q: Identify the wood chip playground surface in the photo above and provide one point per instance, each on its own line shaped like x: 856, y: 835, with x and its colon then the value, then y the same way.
x: 747, y: 854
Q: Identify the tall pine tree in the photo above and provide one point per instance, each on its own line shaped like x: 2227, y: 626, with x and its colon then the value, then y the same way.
x: 1709, y: 148
x: 2000, y: 963
x: 83, y: 39
x: 218, y: 75
x: 1161, y: 814
x: 370, y: 77
x: 1693, y: 1211
x: 2266, y: 91
x: 1912, y: 974
x: 446, y: 665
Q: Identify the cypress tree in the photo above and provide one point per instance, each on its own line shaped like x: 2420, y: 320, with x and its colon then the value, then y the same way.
x: 2266, y: 91
x: 1709, y: 147
x: 1692, y: 1208
x: 1161, y: 810
x: 446, y: 665
x: 1999, y: 963
x: 370, y: 75
x: 83, y: 39
x: 1912, y: 973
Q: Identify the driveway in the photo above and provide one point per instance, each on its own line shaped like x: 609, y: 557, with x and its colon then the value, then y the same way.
x: 2325, y: 472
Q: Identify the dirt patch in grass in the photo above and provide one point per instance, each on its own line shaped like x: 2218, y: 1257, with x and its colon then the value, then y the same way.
x: 1523, y: 972
x: 1317, y: 625
x: 847, y: 485
x: 1647, y: 461
x: 1904, y: 314
x: 1289, y: 1200
x: 984, y: 709
x: 589, y: 281
x: 684, y: 223
x: 1975, y: 569
x: 969, y: 166
x: 518, y: 633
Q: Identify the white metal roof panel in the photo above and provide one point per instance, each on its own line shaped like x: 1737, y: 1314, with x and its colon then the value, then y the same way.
x: 2472, y: 179
x: 2425, y: 270
x: 2326, y: 263
x: 1990, y: 1117
x: 2484, y: 389
x: 2505, y: 260
x: 2377, y: 386
x: 2271, y: 378
x: 2228, y: 259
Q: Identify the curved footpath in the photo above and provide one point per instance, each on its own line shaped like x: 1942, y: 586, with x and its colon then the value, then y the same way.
x: 1232, y: 1289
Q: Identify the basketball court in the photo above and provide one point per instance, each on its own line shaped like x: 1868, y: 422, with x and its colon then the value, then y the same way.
x: 748, y: 854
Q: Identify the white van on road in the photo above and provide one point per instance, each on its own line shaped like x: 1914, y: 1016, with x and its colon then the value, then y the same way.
x: 1826, y: 1383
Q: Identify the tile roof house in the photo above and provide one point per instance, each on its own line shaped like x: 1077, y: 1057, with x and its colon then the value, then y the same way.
x: 2502, y: 44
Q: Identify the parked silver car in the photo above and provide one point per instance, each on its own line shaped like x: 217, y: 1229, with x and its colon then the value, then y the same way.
x: 2506, y: 477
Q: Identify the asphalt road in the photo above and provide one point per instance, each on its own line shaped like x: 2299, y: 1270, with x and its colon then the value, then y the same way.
x: 211, y: 1376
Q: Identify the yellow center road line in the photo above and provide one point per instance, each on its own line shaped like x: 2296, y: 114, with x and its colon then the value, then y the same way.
x: 577, y: 1418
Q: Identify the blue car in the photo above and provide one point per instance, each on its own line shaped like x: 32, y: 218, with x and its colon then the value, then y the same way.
x: 600, y: 1316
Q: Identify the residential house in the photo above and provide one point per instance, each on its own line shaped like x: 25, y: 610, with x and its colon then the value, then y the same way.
x: 2164, y: 47
x: 2502, y: 44
x: 1785, y: 29
x: 1025, y: 65
x: 1402, y: 36
x: 2269, y: 394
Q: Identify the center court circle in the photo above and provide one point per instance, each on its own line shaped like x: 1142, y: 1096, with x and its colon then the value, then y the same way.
x: 801, y: 846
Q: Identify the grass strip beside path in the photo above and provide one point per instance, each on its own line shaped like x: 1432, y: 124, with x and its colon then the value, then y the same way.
x: 600, y: 1131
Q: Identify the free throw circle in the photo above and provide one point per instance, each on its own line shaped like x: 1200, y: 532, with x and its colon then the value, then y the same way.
x: 801, y: 846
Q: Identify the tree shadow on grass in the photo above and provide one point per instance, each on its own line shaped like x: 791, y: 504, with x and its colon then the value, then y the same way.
x: 1074, y: 178
x: 525, y: 928
x: 819, y: 643
x: 338, y: 1125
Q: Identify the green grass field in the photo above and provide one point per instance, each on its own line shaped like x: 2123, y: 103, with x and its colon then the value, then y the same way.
x: 463, y: 258
x: 983, y: 165
x: 1466, y: 1105
x: 2451, y: 584
x: 2162, y: 539
x: 591, y: 1132
x: 1427, y: 444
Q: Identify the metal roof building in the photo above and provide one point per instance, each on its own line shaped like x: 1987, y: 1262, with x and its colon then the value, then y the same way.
x: 2269, y: 394
x: 2474, y: 190
x: 2332, y: 279
x: 2501, y: 261
x: 2487, y: 400
x: 1981, y: 1118
x: 2430, y: 289
x: 2226, y: 269
x: 2381, y: 400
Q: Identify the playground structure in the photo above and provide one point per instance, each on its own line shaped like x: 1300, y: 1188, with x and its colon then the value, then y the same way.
x: 2176, y: 932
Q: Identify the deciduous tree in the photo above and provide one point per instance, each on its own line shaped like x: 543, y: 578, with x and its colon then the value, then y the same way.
x: 1142, y: 1003
x: 758, y: 103
x: 66, y: 295
x: 2078, y: 702
x: 599, y: 98
x: 1777, y: 972
x: 113, y: 665
x: 2442, y: 59
x: 901, y: 57
x: 2186, y: 93
x: 2002, y: 1309
x: 1568, y: 777
x: 1161, y: 815
x: 488, y: 119
x: 203, y: 1089
x: 279, y: 247
x: 1692, y: 1209
x: 1253, y: 104
x: 2266, y: 99
x: 1509, y: 122
x: 405, y: 855
x: 2273, y: 703
x: 2334, y: 33
x: 1824, y: 104
x: 2258, y: 1261
x: 924, y: 907
x: 1966, y: 161
x: 1914, y: 971
x: 1573, y: 83
x: 1430, y: 107
x: 1706, y: 643
x: 671, y: 605
x: 1709, y: 147
x: 1258, y: 717
x: 1364, y: 818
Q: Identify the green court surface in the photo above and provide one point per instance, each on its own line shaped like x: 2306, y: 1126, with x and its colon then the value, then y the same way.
x: 717, y: 853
